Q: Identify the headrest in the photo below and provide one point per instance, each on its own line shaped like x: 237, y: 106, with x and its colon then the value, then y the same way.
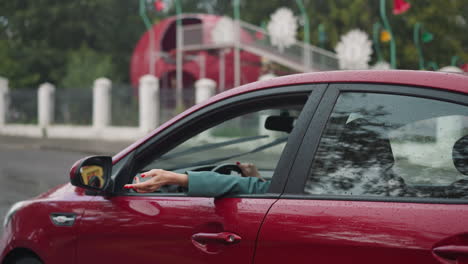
x: 366, y: 147
x: 460, y: 155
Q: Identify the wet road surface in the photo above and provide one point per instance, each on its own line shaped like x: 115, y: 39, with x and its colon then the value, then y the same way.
x: 26, y: 172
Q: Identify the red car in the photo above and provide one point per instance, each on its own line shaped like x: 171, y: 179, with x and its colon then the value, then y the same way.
x: 364, y: 167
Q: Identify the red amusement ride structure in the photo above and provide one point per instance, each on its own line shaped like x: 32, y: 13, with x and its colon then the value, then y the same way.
x: 201, y: 57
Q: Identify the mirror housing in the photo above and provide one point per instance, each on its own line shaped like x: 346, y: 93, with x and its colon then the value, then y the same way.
x: 92, y: 173
x: 284, y: 123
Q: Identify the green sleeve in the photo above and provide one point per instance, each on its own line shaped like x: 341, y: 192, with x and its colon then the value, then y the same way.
x: 212, y: 184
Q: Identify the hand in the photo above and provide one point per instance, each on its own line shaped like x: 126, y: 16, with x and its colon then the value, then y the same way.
x: 158, y: 179
x: 249, y: 170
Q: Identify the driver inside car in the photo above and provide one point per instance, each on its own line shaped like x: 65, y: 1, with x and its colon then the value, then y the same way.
x: 204, y: 183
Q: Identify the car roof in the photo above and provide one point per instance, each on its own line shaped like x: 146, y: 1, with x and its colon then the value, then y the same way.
x: 436, y: 80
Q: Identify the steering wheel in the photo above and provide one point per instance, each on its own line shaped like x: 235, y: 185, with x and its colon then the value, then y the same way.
x: 227, y: 168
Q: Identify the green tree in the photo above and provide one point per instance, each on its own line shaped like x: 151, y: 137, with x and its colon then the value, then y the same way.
x: 86, y: 65
x: 40, y: 34
x: 447, y: 20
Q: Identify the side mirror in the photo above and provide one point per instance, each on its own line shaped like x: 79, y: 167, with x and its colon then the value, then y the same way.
x: 280, y: 123
x: 91, y: 173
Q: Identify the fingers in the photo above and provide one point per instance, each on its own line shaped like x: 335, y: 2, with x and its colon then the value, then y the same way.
x: 141, y: 187
x: 245, y: 168
x: 133, y: 186
x: 150, y: 185
x: 129, y: 186
x: 152, y: 173
x: 245, y: 165
x: 138, y: 186
x: 248, y: 169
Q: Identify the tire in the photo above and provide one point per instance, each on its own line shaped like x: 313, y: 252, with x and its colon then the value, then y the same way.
x: 26, y: 260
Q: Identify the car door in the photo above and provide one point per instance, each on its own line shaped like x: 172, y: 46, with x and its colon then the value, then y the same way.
x: 380, y: 178
x: 170, y: 227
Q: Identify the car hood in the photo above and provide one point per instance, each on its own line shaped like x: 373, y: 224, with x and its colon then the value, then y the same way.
x: 63, y: 192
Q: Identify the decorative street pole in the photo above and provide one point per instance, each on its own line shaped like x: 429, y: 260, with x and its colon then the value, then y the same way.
x: 222, y: 70
x: 377, y: 27
x: 307, y: 59
x: 383, y: 14
x: 322, y: 35
x: 179, y: 58
x: 419, y: 33
x: 416, y: 30
x: 454, y: 60
x: 237, y: 36
x: 148, y: 25
x: 432, y: 65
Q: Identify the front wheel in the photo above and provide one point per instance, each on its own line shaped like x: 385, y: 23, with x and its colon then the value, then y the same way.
x: 25, y: 260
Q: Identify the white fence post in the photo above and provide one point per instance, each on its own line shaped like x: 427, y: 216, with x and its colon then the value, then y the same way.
x: 3, y: 100
x: 46, y: 104
x: 149, y: 104
x: 204, y: 89
x: 102, y: 103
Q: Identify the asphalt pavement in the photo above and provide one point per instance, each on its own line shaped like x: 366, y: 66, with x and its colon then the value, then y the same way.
x: 88, y: 146
x: 31, y: 166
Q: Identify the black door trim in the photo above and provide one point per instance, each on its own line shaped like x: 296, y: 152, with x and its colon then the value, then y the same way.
x: 309, y: 145
x: 290, y: 152
x: 423, y: 92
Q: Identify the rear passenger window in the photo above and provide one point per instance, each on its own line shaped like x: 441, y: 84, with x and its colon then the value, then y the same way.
x: 392, y: 145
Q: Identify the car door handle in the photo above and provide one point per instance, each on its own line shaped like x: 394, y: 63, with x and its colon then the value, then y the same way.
x: 63, y: 219
x: 223, y: 237
x: 451, y: 251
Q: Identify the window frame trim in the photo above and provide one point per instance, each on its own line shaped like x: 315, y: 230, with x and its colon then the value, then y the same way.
x: 294, y: 188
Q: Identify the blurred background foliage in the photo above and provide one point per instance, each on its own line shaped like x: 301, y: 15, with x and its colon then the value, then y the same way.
x: 70, y: 43
x: 85, y: 65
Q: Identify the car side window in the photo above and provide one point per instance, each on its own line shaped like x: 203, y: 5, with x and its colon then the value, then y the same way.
x: 243, y: 138
x: 257, y: 134
x: 392, y: 145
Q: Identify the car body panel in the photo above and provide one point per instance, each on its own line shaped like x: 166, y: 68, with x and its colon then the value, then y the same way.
x: 338, y: 229
x: 137, y: 228
x: 357, y: 231
x: 32, y: 228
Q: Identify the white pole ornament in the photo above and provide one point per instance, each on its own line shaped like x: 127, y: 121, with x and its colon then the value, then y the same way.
x: 282, y: 28
x: 354, y: 50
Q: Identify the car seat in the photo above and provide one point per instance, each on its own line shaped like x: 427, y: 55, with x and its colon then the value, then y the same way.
x: 359, y: 163
x: 459, y: 189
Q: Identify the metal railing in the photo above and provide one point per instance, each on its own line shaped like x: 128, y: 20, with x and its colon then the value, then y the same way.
x: 168, y: 102
x: 73, y: 106
x: 298, y: 56
x: 124, y: 105
x: 22, y: 107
